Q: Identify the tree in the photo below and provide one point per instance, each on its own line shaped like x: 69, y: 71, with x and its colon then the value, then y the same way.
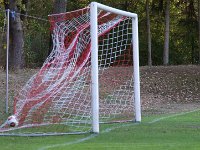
x: 199, y: 26
x: 154, y: 32
x: 148, y: 34
x: 166, y: 41
x: 16, y: 51
x: 59, y: 6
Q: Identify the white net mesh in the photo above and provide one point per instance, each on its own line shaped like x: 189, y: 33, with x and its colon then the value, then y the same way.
x: 57, y: 99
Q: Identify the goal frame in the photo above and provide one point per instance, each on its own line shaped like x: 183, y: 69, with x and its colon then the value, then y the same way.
x: 94, y: 61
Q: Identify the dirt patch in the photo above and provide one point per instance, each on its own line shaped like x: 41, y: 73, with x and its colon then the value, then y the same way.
x: 17, y: 80
x: 166, y: 89
x: 163, y: 89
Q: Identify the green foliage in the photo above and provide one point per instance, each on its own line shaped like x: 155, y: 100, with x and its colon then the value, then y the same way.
x: 183, y: 28
x: 37, y: 38
x: 36, y: 33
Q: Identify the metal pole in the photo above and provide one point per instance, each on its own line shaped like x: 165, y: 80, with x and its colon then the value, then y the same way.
x: 94, y: 63
x: 136, y: 69
x: 7, y: 53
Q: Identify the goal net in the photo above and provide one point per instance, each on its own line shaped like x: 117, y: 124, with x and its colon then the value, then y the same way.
x: 90, y: 77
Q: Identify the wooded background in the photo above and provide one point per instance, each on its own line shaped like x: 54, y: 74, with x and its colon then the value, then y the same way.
x: 169, y: 31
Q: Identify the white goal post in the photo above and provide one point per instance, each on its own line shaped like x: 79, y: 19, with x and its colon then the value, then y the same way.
x: 91, y: 76
x: 94, y: 59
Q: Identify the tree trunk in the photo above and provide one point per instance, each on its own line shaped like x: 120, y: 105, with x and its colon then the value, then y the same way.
x: 3, y: 46
x: 148, y: 34
x: 59, y: 6
x: 166, y: 42
x: 16, y: 52
x: 199, y: 28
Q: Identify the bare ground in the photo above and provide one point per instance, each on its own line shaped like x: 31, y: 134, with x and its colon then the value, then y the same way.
x: 164, y: 89
x: 168, y: 89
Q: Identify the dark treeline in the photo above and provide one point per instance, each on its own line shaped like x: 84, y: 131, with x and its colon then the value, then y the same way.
x: 168, y: 30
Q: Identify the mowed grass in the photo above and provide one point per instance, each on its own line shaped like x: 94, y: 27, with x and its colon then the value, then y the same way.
x: 167, y: 132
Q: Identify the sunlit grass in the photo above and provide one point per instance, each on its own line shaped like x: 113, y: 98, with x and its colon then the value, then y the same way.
x: 175, y: 132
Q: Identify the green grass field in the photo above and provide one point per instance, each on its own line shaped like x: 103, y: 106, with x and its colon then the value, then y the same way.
x: 160, y: 132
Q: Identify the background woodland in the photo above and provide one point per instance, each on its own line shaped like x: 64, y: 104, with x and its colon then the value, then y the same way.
x: 169, y: 31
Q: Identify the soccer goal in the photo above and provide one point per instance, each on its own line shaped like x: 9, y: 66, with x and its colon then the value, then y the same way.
x: 90, y: 77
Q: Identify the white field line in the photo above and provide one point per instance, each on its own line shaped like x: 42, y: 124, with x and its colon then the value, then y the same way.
x: 113, y: 128
x: 173, y: 115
